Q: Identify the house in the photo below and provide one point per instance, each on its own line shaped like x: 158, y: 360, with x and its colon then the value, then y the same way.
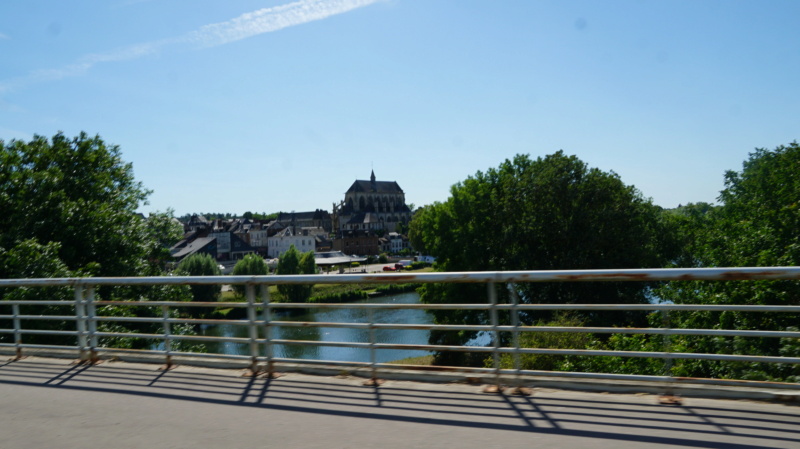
x: 314, y: 219
x: 283, y: 240
x: 200, y: 245
x: 362, y: 243
x: 230, y: 246
x: 397, y: 242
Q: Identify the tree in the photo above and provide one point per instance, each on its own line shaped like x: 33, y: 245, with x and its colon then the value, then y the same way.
x: 550, y: 213
x: 69, y: 209
x: 162, y: 231
x: 201, y: 265
x: 251, y: 264
x: 756, y: 225
x: 76, y: 192
x: 294, y: 262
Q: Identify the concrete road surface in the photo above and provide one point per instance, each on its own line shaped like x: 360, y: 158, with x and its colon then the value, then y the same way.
x: 49, y: 403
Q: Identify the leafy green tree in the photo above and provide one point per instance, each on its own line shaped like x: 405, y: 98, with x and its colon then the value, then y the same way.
x: 201, y: 265
x: 756, y: 225
x: 69, y: 209
x: 162, y: 231
x: 251, y: 264
x: 294, y: 262
x: 550, y: 213
x: 77, y: 192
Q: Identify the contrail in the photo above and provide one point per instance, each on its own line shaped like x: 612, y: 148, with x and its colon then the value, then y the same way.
x: 250, y: 24
x: 273, y: 19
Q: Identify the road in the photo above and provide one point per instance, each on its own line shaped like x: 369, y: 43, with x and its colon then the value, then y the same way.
x: 50, y: 403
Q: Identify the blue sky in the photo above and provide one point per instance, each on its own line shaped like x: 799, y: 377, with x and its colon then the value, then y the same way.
x: 277, y: 105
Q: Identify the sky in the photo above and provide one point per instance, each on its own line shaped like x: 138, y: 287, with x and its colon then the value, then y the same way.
x: 268, y: 106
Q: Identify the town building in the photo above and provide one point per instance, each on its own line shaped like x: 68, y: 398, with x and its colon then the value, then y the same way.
x: 278, y: 244
x: 371, y: 205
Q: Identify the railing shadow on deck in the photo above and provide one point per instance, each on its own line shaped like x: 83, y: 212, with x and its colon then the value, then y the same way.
x: 712, y: 424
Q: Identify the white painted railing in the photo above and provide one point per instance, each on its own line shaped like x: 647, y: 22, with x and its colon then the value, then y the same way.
x: 84, y: 318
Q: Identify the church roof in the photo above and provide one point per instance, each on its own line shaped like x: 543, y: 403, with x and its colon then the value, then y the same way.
x: 373, y: 186
x: 366, y: 186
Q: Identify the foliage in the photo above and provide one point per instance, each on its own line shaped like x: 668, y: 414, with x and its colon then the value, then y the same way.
x: 548, y: 340
x: 390, y: 289
x: 383, y: 258
x: 351, y: 295
x: 756, y: 225
x: 76, y: 192
x: 294, y: 262
x: 418, y: 265
x: 162, y: 230
x: 201, y: 265
x: 69, y: 210
x: 251, y: 264
x: 550, y: 213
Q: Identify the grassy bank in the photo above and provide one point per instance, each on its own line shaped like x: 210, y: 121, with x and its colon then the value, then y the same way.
x: 321, y: 293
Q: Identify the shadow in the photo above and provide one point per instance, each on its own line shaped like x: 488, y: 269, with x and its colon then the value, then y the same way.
x: 625, y: 418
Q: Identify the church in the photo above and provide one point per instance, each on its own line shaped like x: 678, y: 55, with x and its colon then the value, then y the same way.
x: 371, y: 205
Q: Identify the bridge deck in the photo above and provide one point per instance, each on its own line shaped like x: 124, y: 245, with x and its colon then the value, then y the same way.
x: 49, y: 402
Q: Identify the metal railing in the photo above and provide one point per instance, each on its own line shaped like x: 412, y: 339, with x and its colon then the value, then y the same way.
x: 80, y: 324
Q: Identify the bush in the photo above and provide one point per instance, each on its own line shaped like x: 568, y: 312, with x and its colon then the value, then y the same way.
x: 251, y: 264
x: 295, y: 262
x: 201, y: 265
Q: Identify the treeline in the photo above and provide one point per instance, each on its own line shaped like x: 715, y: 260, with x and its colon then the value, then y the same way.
x: 263, y: 216
x: 556, y: 213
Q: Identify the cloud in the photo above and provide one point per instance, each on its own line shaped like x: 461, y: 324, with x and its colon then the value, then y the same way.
x: 272, y: 19
x: 4, y: 36
x: 247, y: 25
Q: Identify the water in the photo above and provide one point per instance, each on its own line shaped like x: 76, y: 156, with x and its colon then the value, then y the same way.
x: 405, y: 316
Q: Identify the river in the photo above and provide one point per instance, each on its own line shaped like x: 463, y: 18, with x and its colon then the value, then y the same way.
x: 406, y: 316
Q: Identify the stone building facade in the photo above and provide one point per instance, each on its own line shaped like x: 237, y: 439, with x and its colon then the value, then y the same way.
x: 372, y: 205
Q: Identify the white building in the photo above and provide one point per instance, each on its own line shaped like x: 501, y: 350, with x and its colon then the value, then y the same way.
x: 282, y: 241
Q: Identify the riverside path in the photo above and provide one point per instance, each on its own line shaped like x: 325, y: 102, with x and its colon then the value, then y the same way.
x: 50, y: 403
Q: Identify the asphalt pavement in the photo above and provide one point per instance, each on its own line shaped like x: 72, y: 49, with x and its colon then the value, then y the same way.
x: 49, y: 403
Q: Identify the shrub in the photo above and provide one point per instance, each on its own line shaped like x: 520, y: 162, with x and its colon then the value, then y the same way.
x: 251, y: 264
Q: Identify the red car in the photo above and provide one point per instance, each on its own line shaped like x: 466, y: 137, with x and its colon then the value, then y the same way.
x: 389, y: 268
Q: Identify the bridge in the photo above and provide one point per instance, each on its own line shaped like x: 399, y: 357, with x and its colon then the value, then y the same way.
x: 49, y: 402
x: 72, y: 389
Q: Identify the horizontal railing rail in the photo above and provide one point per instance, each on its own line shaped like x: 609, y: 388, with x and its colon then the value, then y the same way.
x: 80, y: 319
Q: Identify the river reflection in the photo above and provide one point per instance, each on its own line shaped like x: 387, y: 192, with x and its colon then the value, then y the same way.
x: 416, y: 337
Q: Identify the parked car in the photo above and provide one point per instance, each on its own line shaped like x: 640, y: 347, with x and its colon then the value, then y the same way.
x: 389, y: 268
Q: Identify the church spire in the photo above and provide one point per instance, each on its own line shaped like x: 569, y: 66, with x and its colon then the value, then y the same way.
x: 372, y: 177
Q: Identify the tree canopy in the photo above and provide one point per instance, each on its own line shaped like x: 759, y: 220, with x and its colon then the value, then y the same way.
x: 251, y: 264
x: 541, y: 214
x: 756, y: 224
x: 75, y: 200
x: 295, y: 262
x: 201, y: 265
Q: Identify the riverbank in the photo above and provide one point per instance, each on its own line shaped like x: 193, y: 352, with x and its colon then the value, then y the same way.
x: 327, y: 293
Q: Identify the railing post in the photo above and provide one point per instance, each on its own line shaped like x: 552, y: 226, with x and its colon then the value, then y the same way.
x: 167, y: 337
x: 250, y: 292
x: 496, y: 388
x: 268, y: 347
x: 17, y: 330
x: 80, y: 324
x: 668, y: 397
x: 91, y: 313
x: 373, y: 360
x: 518, y: 389
x: 667, y: 342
